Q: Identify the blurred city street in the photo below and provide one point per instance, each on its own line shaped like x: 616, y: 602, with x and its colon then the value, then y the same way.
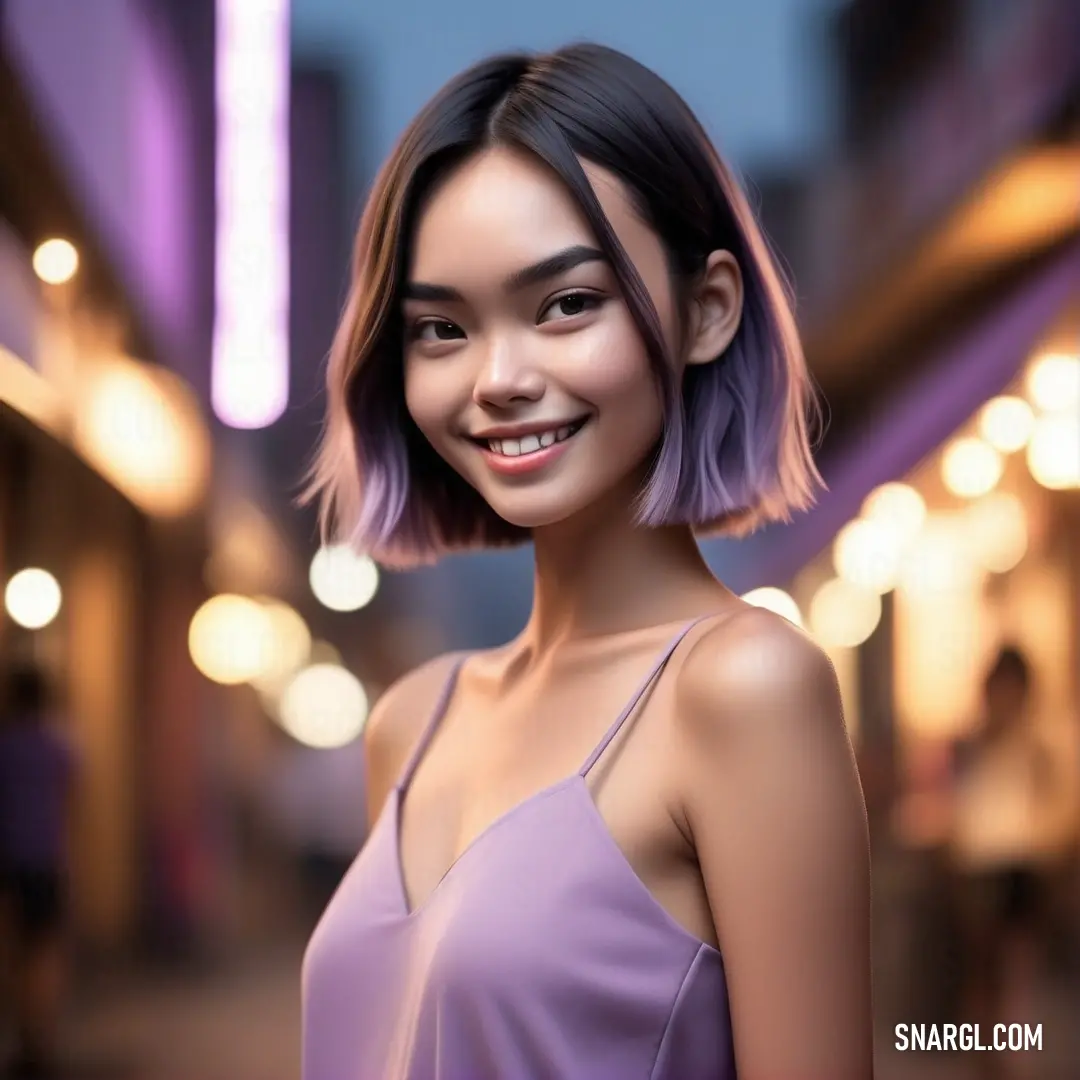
x: 240, y: 1021
x: 237, y: 1021
x: 188, y: 663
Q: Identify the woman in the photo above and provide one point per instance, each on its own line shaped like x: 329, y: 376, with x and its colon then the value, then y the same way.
x: 630, y: 843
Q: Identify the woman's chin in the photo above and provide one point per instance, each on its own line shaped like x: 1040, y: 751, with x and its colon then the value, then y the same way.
x: 536, y: 512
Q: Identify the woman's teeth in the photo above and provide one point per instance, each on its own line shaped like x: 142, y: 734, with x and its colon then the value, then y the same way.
x: 530, y: 444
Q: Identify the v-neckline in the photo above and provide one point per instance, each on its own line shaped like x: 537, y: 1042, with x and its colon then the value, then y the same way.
x: 579, y: 778
x: 410, y: 910
x: 577, y: 782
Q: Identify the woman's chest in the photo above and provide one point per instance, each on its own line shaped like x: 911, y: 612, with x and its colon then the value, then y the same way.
x: 482, y: 776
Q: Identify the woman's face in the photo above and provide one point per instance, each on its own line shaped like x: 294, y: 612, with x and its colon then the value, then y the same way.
x: 523, y: 366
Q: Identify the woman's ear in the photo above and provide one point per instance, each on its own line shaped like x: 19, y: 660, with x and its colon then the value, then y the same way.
x: 716, y: 309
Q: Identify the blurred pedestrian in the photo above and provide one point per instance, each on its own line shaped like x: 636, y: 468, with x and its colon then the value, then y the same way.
x: 1004, y: 840
x: 37, y: 769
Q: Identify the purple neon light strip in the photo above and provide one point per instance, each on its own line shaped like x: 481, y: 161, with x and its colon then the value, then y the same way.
x: 250, y: 373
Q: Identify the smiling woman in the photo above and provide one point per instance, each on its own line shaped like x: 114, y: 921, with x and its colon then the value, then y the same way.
x: 512, y: 449
x: 631, y: 842
x: 715, y: 467
x: 540, y: 342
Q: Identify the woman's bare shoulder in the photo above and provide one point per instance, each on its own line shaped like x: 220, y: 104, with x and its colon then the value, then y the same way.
x: 752, y: 663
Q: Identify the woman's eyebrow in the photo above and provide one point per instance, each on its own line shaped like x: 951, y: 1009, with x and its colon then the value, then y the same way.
x: 552, y: 266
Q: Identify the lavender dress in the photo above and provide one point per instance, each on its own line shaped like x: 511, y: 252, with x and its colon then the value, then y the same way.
x: 539, y: 954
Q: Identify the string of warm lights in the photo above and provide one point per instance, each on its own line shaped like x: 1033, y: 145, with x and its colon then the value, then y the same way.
x: 896, y: 542
x: 266, y: 644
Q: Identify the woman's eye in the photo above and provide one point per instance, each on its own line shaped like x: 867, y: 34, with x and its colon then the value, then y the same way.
x: 566, y: 307
x: 437, y: 330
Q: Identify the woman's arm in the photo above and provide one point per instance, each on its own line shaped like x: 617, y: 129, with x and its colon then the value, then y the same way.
x: 776, y: 813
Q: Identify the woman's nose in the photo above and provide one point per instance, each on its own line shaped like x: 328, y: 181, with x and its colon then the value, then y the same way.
x: 507, y: 376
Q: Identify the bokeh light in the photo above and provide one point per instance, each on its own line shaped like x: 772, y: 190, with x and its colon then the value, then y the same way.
x: 56, y: 261
x: 1053, y: 382
x: 290, y: 646
x: 939, y: 561
x: 775, y: 600
x: 843, y: 614
x: 1006, y: 423
x: 32, y: 598
x: 898, y: 507
x: 341, y: 579
x: 970, y: 467
x: 231, y: 639
x: 997, y: 531
x: 1053, y: 454
x: 324, y: 706
x: 142, y: 426
x: 867, y: 553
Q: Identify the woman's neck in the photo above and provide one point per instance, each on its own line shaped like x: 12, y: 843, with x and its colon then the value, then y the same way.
x: 606, y: 576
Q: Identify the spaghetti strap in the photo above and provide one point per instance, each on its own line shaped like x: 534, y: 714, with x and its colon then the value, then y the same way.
x: 657, y: 667
x: 428, y: 733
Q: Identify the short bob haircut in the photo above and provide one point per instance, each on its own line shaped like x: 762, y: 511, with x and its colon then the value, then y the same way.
x: 735, y: 450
